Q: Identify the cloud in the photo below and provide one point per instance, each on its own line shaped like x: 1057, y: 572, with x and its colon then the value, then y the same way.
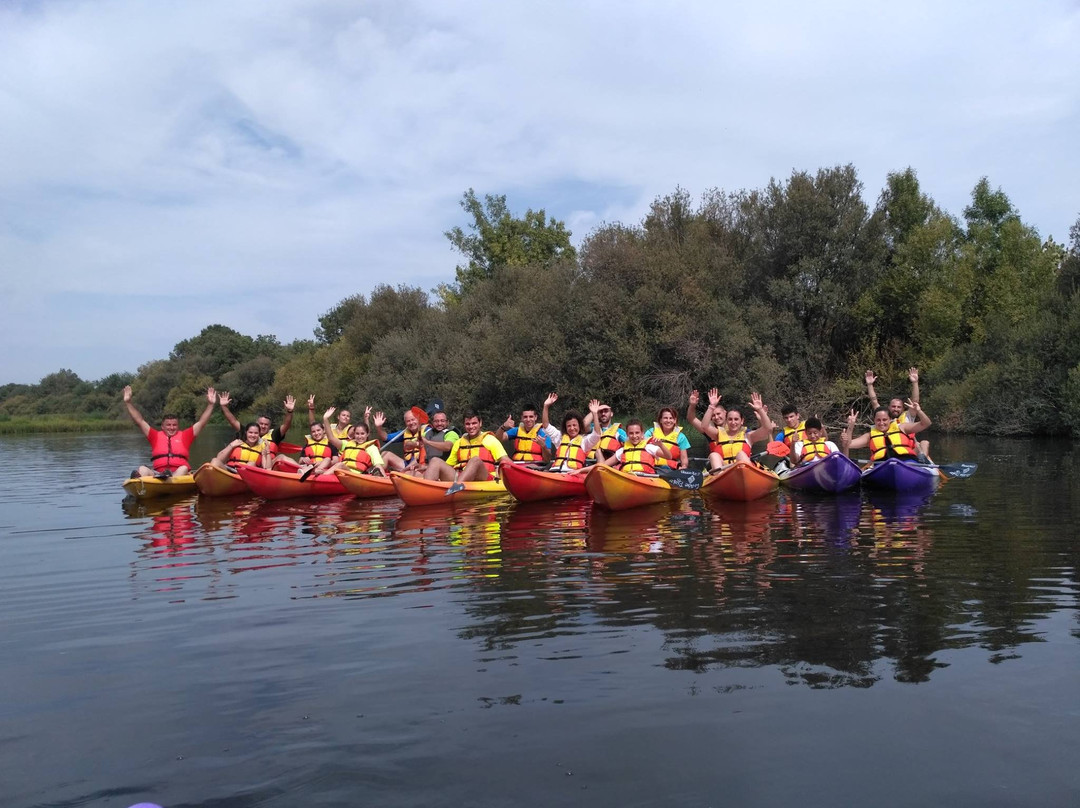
x: 259, y: 162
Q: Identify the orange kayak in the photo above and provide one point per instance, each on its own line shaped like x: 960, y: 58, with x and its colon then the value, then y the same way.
x: 215, y: 482
x: 741, y: 482
x: 286, y: 485
x: 530, y: 485
x: 366, y: 485
x: 418, y: 491
x: 617, y: 490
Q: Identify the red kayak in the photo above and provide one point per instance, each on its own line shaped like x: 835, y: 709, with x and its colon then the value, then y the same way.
x: 530, y: 485
x: 286, y: 485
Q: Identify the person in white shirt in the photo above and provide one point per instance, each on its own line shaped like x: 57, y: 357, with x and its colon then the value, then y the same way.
x: 572, y: 445
x: 815, y: 446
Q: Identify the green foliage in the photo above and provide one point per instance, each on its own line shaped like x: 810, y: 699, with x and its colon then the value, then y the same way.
x: 499, y: 239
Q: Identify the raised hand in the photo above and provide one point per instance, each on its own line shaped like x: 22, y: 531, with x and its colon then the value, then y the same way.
x: 235, y: 443
x: 870, y: 378
x: 913, y: 375
x: 379, y: 418
x: 694, y: 398
x: 714, y: 397
x: 211, y: 395
x: 851, y: 418
x: 594, y: 406
x: 551, y: 399
x: 326, y: 415
x: 755, y: 403
x: 127, y: 394
x: 367, y: 414
x: 290, y: 403
x: 911, y: 405
x: 508, y: 423
x: 224, y: 398
x: 311, y: 402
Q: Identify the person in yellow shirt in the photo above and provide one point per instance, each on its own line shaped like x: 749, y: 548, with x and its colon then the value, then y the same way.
x: 476, y: 455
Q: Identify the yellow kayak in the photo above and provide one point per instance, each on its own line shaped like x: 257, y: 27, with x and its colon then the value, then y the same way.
x: 152, y: 487
x: 418, y: 491
x: 215, y: 482
x: 617, y: 490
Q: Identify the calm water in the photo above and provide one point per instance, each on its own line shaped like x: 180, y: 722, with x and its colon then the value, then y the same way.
x: 792, y: 651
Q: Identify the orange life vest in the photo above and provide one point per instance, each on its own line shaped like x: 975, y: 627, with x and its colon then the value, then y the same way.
x: 571, y: 454
x: 793, y: 435
x: 637, y: 458
x: 468, y: 448
x: 729, y: 446
x: 317, y: 449
x: 609, y: 439
x: 355, y: 455
x: 244, y: 454
x: 671, y: 441
x: 890, y: 443
x: 528, y: 447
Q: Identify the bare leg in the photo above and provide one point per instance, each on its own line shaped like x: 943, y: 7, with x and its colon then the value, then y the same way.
x: 474, y: 470
x: 438, y: 470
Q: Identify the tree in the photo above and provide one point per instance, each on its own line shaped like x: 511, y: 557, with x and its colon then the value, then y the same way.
x: 499, y: 239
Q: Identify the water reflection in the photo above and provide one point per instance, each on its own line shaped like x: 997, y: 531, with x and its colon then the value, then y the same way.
x: 832, y: 591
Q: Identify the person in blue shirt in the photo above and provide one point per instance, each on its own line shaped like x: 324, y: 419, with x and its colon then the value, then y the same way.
x: 531, y: 445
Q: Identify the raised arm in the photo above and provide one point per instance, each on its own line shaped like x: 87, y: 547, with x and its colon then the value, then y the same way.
x: 133, y: 413
x: 765, y: 425
x: 311, y: 419
x: 691, y: 411
x: 870, y: 393
x: 335, y: 441
x: 223, y: 401
x: 913, y: 377
x: 505, y: 427
x: 290, y: 405
x: 922, y: 419
x: 379, y: 420
x: 847, y: 441
x: 545, y: 421
x: 223, y: 455
x: 211, y: 400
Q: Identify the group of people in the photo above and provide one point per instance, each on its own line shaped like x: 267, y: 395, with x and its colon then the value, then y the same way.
x: 430, y: 447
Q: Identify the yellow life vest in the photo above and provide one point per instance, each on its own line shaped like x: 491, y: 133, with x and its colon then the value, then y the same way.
x: 317, y: 449
x: 814, y: 449
x: 355, y: 455
x: 244, y: 454
x: 637, y: 458
x: 341, y: 433
x: 467, y: 448
x: 731, y: 445
x: 609, y: 440
x: 410, y: 455
x: 890, y: 443
x: 793, y: 435
x: 528, y: 447
x: 671, y: 440
x: 571, y: 454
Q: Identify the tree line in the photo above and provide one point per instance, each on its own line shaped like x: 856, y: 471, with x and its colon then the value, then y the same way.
x: 793, y: 290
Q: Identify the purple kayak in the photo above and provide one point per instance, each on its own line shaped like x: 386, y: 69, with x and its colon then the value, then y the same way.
x: 898, y: 475
x: 829, y: 475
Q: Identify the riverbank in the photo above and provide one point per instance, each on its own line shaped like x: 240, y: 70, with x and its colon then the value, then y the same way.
x: 59, y: 423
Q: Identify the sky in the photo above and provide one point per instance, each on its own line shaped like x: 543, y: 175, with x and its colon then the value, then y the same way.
x: 167, y: 166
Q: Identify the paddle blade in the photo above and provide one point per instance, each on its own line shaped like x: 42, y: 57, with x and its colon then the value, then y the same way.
x: 777, y: 448
x: 689, y: 479
x: 420, y: 414
x: 958, y: 471
x: 289, y: 448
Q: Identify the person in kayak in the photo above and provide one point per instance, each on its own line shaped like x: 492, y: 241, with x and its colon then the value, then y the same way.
x: 531, y: 445
x: 357, y: 452
x: 897, y: 410
x: 573, y: 444
x: 340, y: 427
x: 169, y: 446
x: 886, y: 437
x: 734, y: 443
x: 667, y: 431
x: 440, y: 438
x: 316, y: 450
x: 794, y: 427
x: 476, y: 455
x: 412, y: 444
x: 813, y: 446
x: 250, y: 450
x: 638, y: 455
x: 612, y: 434
x: 713, y: 420
x: 270, y: 434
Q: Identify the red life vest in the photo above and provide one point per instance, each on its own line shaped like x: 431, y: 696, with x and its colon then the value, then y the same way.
x: 169, y: 453
x: 571, y: 454
x: 637, y: 458
x: 528, y: 448
x: 468, y: 448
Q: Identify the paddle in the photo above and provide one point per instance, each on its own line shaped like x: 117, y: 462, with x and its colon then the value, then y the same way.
x: 689, y: 479
x: 289, y: 448
x: 957, y: 471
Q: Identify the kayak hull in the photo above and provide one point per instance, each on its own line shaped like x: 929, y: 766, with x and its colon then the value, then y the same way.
x: 270, y: 484
x: 153, y: 488
x: 617, y: 490
x: 900, y: 476
x: 366, y: 486
x: 530, y: 485
x: 418, y: 491
x: 740, y: 482
x: 828, y: 475
x: 214, y: 482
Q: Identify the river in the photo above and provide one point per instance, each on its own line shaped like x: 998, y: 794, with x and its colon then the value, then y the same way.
x: 790, y: 651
